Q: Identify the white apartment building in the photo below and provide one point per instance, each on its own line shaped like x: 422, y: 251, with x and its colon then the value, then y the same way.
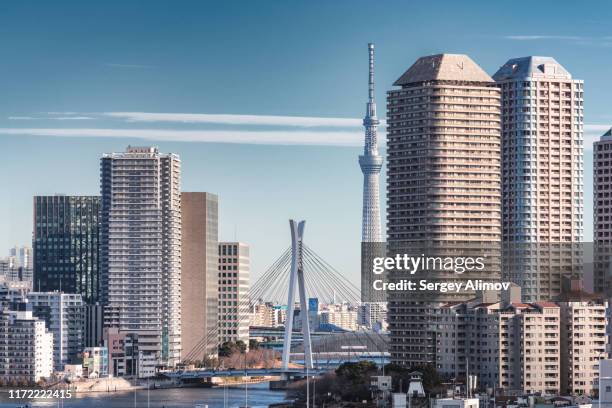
x: 585, y: 343
x: 542, y: 170
x: 140, y: 245
x: 27, y: 347
x: 64, y: 316
x: 340, y: 315
x: 234, y: 276
x: 543, y: 347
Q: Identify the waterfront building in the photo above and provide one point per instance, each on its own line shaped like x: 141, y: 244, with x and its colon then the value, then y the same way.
x: 140, y: 250
x: 199, y: 275
x: 66, y: 245
x: 234, y: 276
x: 27, y: 346
x: 95, y: 362
x: 64, y: 316
x: 542, y: 171
x: 443, y: 185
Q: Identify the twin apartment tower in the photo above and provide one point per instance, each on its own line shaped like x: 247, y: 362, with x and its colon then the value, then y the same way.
x: 478, y: 159
x: 147, y: 254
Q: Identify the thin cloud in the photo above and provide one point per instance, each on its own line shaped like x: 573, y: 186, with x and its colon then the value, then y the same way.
x: 129, y: 66
x: 73, y: 118
x: 307, y: 138
x: 51, y: 118
x: 542, y: 37
x: 22, y: 118
x: 605, y: 41
x: 241, y: 120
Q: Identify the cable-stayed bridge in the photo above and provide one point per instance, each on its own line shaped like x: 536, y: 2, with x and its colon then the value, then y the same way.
x: 298, y: 269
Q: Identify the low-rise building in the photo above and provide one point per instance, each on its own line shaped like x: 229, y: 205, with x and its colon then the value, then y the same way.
x: 26, y: 346
x: 64, y: 317
x: 95, y: 362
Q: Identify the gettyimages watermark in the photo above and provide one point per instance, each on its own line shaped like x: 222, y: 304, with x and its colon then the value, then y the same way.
x: 457, y: 270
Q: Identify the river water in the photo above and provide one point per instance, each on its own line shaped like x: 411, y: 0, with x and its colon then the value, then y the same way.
x: 258, y: 397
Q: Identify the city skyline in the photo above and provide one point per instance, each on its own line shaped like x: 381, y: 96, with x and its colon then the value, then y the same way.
x: 91, y: 95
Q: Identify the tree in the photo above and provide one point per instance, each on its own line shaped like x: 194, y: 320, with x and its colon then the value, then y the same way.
x: 227, y: 349
x: 253, y: 344
x: 241, y: 346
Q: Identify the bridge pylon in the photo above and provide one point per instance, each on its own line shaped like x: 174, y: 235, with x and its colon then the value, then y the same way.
x: 297, y: 274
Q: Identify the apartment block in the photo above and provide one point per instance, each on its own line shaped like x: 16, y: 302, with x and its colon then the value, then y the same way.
x: 542, y: 171
x: 64, y: 316
x: 234, y: 276
x: 140, y: 250
x: 27, y: 346
x: 584, y: 342
x: 443, y: 183
x: 541, y: 347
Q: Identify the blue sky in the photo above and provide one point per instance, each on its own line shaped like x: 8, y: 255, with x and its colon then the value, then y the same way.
x: 73, y: 74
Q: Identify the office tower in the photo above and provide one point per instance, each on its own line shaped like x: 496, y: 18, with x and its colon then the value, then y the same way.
x: 27, y: 346
x: 199, y: 275
x: 443, y: 186
x: 64, y: 318
x: 140, y: 244
x: 234, y: 308
x: 371, y: 163
x: 542, y: 171
x: 66, y: 244
x: 602, y: 212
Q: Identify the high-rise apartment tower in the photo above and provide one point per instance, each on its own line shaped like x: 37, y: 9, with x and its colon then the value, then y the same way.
x: 443, y: 182
x: 141, y: 250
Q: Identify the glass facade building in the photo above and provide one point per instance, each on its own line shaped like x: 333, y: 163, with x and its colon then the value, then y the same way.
x: 66, y: 245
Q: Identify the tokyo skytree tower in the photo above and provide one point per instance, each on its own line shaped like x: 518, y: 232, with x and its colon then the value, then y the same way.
x: 371, y: 164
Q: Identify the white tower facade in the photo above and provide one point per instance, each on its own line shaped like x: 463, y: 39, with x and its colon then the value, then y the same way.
x: 371, y: 164
x: 141, y: 251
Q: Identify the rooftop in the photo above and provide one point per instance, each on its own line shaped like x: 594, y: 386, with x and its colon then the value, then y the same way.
x: 531, y: 67
x: 444, y: 67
